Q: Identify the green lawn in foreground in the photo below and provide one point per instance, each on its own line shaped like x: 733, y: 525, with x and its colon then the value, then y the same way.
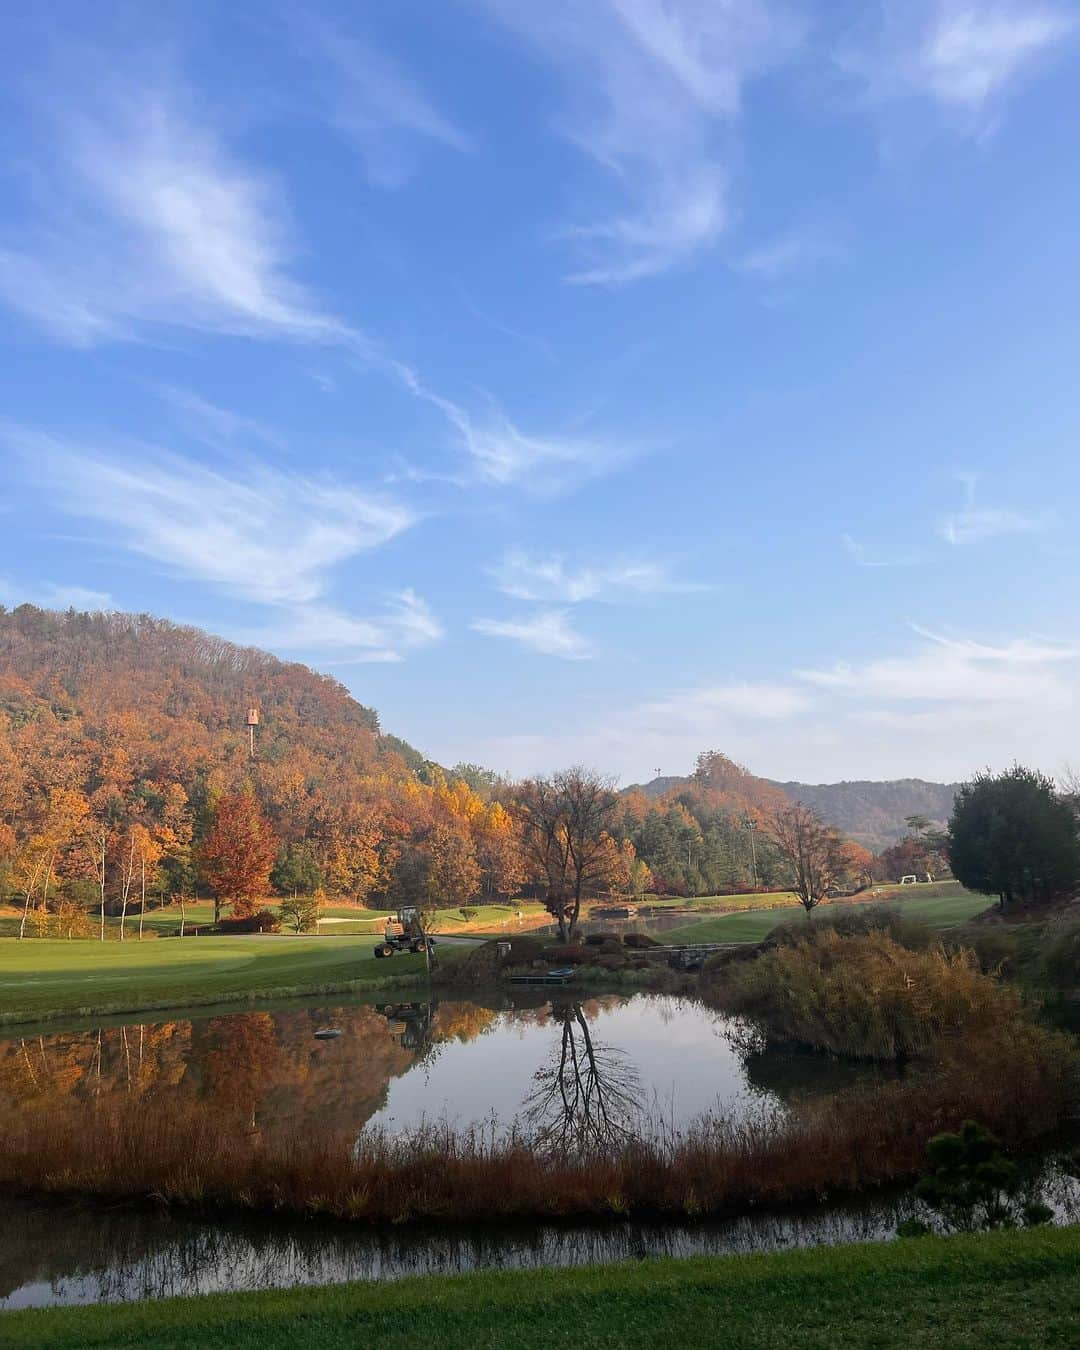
x: 1005, y: 1289
x: 942, y: 910
x: 43, y: 977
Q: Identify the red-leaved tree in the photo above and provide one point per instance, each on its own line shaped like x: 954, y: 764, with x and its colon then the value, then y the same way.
x: 238, y: 853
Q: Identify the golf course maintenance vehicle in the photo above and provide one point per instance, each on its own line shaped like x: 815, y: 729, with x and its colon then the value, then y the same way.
x: 405, y: 934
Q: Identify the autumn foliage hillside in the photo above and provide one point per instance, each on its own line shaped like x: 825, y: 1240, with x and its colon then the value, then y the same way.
x: 120, y: 735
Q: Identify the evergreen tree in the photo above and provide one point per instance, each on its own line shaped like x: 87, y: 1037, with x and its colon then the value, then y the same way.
x: 1012, y: 835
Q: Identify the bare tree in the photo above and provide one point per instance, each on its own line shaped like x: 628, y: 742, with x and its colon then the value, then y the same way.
x: 587, y: 1097
x: 813, y: 853
x: 565, y: 821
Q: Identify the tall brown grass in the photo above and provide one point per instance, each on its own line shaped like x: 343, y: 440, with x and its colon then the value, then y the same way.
x: 1023, y: 1087
x: 866, y: 996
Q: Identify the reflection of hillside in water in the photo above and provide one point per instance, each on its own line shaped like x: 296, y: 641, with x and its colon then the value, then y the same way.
x: 268, y: 1065
x: 575, y: 1073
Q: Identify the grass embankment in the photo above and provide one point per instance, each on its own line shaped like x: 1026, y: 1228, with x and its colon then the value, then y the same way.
x: 42, y: 978
x: 1006, y: 1289
x: 944, y: 909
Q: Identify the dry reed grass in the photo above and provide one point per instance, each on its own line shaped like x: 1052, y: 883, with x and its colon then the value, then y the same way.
x: 865, y: 996
x: 1022, y: 1086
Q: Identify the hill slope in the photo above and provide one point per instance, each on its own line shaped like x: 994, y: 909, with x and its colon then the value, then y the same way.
x: 872, y: 813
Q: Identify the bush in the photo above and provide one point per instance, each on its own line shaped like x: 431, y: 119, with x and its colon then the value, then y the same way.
x: 639, y: 941
x: 865, y: 996
x: 611, y: 961
x: 568, y: 954
x: 853, y: 921
x: 261, y: 922
x: 1062, y: 959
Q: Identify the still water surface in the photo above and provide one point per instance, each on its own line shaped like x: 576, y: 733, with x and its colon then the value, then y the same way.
x: 395, y: 1066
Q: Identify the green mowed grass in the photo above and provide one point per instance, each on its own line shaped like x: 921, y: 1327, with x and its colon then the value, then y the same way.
x: 942, y: 910
x: 1004, y: 1289
x: 42, y: 977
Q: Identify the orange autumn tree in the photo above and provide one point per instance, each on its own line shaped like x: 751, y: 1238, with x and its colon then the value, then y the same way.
x: 238, y: 853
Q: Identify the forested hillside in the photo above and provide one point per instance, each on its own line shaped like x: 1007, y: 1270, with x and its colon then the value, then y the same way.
x: 873, y: 813
x: 127, y: 777
x: 122, y: 736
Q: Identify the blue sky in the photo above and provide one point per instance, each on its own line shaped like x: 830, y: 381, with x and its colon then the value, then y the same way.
x: 601, y: 380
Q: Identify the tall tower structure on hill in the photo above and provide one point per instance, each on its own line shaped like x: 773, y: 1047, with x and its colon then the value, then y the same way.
x: 252, y: 723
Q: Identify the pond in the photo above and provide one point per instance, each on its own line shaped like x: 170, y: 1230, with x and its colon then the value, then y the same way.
x: 567, y: 1067
x: 396, y: 1065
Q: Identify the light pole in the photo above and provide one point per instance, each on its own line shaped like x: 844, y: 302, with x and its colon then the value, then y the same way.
x: 750, y: 826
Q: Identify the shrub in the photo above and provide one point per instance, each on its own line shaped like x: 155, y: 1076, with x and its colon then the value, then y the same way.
x: 852, y: 921
x: 639, y: 941
x: 1061, y: 960
x: 865, y: 996
x: 611, y: 961
x: 263, y: 921
x: 972, y: 1185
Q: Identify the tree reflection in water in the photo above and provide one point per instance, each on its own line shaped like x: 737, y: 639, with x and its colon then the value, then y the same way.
x: 586, y: 1097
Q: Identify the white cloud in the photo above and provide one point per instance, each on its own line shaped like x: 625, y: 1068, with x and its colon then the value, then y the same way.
x: 153, y: 221
x: 975, y: 524
x: 953, y: 671
x: 964, y: 55
x: 860, y: 555
x: 700, y: 707
x: 656, y: 88
x: 548, y: 631
x: 971, y: 51
x: 216, y: 426
x: 805, y: 247
x: 499, y: 453
x: 375, y: 104
x: 972, y: 524
x: 551, y: 580
x: 504, y: 455
x: 50, y: 595
x: 405, y: 623
x: 941, y: 709
x: 268, y: 536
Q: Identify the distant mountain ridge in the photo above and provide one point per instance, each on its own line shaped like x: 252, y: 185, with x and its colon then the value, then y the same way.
x: 873, y: 813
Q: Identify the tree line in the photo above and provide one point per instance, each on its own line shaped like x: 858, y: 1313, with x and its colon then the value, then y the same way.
x: 126, y: 780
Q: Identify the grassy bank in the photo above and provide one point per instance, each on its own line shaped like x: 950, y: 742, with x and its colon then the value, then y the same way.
x: 944, y: 909
x: 43, y: 978
x: 1006, y: 1289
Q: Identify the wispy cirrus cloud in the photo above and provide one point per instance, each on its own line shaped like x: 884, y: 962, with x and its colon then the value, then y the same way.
x: 954, y: 670
x: 151, y: 220
x: 937, y: 708
x: 403, y: 623
x: 864, y: 558
x: 654, y: 96
x: 552, y: 579
x: 148, y: 220
x: 378, y: 106
x: 964, y: 55
x: 53, y: 595
x: 264, y: 536
x: 548, y: 631
x: 221, y: 428
x: 973, y: 524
